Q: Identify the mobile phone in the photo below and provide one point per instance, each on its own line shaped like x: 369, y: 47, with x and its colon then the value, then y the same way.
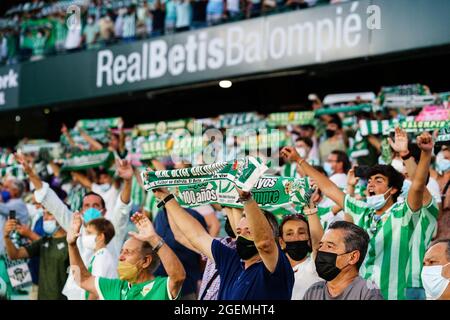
x: 12, y: 214
x: 362, y: 171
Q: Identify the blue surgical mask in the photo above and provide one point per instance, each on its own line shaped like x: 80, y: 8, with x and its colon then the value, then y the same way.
x: 378, y: 201
x: 91, y: 214
x: 328, y: 169
x: 50, y: 227
x: 105, y: 187
x: 443, y: 165
x: 405, y: 188
x: 6, y: 196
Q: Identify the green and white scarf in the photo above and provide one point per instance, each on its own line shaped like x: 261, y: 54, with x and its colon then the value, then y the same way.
x: 89, y: 124
x: 14, y: 171
x: 344, y: 108
x: 419, y: 126
x: 270, y: 192
x: 243, y: 172
x: 290, y: 118
x: 237, y: 119
x: 88, y: 159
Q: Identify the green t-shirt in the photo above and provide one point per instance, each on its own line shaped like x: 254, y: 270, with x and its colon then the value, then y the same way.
x: 115, y: 289
x: 389, y: 248
x: 53, y: 266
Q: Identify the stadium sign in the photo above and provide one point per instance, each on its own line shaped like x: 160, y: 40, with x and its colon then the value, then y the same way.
x: 9, y: 84
x: 314, y: 37
x: 323, y: 34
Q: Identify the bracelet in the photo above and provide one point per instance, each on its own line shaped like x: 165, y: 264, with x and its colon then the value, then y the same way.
x: 165, y: 200
x: 311, y: 211
x: 407, y: 156
x: 159, y: 245
x: 300, y: 161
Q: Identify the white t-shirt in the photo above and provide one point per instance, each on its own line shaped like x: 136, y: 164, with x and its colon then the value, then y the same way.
x: 305, y: 276
x: 73, y: 38
x: 110, y: 197
x: 339, y: 179
x: 183, y: 14
x: 433, y: 187
x: 103, y: 264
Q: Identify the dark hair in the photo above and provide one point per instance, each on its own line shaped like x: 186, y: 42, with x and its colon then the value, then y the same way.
x: 447, y: 241
x: 355, y: 238
x: 229, y: 229
x: 395, y: 178
x: 342, y: 157
x: 104, y: 226
x: 147, y: 250
x: 336, y: 120
x: 91, y: 193
x: 320, y: 169
x: 308, y: 141
x: 293, y: 217
x: 272, y: 221
x: 307, y: 127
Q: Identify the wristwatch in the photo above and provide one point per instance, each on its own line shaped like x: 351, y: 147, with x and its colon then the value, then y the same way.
x: 165, y: 200
x: 159, y: 245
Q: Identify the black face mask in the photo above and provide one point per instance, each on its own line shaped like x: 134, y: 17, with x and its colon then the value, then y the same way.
x: 330, y: 133
x: 326, y: 265
x: 245, y: 248
x: 297, y: 250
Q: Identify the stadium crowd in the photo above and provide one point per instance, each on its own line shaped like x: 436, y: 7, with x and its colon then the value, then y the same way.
x: 36, y: 29
x: 371, y: 218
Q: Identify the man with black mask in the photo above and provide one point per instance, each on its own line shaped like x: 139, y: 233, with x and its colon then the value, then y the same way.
x: 257, y: 269
x: 335, y: 139
x: 342, y: 250
x: 299, y: 239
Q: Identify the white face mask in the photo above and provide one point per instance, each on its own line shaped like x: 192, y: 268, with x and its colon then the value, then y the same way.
x: 398, y: 165
x: 378, y: 201
x: 50, y: 227
x: 328, y: 169
x: 88, y: 241
x: 105, y: 187
x: 433, y: 281
x: 302, y: 152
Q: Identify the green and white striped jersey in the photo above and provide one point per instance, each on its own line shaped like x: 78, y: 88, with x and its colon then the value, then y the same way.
x: 389, y: 248
x: 289, y: 170
x: 424, y: 231
x: 137, y: 193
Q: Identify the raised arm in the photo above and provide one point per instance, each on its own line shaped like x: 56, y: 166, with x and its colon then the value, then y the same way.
x: 400, y: 145
x: 179, y: 236
x: 418, y: 193
x: 69, y: 138
x: 326, y: 185
x: 82, y: 179
x: 95, y: 145
x: 82, y: 276
x: 261, y: 230
x: 12, y: 251
x: 46, y: 196
x: 315, y: 227
x: 189, y: 226
x: 171, y: 263
x: 122, y: 208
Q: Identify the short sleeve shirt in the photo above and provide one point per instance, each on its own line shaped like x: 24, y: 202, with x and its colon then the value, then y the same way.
x: 115, y: 289
x: 359, y: 289
x: 255, y: 282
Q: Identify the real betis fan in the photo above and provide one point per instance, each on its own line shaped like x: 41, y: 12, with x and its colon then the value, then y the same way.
x: 139, y: 258
x: 390, y: 223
